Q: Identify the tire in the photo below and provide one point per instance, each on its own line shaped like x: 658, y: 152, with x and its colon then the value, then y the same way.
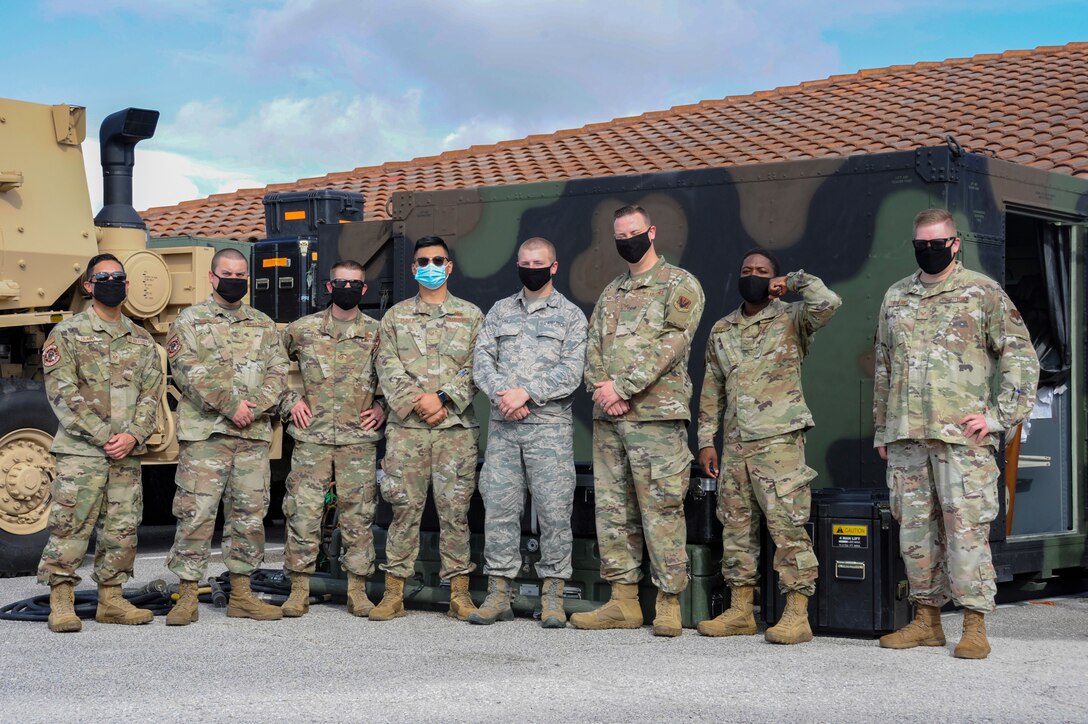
x: 19, y: 554
x: 25, y: 415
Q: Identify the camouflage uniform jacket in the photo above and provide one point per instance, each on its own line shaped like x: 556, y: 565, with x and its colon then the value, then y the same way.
x: 640, y: 338
x: 539, y: 345
x: 220, y: 357
x: 426, y: 348
x: 753, y: 365
x: 101, y: 379
x: 955, y: 349
x: 338, y: 377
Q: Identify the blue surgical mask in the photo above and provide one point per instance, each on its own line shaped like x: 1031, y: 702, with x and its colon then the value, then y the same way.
x: 431, y: 276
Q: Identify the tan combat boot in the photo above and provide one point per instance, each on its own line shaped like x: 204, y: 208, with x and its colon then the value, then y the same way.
x: 243, y: 604
x: 793, y: 627
x: 667, y: 620
x: 621, y: 611
x: 113, y: 608
x: 552, y: 614
x: 924, y: 630
x: 461, y: 605
x: 973, y: 644
x: 737, y: 620
x: 186, y: 610
x: 392, y: 603
x: 298, y: 603
x: 358, y: 603
x: 496, y: 606
x: 62, y: 612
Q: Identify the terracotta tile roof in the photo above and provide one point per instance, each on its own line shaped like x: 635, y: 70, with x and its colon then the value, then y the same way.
x: 1027, y: 106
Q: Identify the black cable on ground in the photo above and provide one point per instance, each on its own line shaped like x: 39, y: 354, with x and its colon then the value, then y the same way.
x: 271, y: 586
x: 86, y: 603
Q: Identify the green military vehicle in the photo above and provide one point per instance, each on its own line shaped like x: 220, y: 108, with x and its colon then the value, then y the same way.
x: 849, y: 221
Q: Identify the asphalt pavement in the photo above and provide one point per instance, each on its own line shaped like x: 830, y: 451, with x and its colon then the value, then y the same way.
x: 330, y: 666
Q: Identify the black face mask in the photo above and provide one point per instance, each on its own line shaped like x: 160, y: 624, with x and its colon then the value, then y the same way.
x: 109, y: 293
x: 754, y: 289
x: 534, y: 279
x: 632, y: 250
x: 933, y: 261
x: 347, y: 298
x: 231, y: 289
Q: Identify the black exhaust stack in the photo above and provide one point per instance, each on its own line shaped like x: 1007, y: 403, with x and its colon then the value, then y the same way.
x: 120, y: 133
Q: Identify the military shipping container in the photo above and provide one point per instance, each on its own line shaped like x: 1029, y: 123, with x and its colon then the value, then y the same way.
x: 847, y: 220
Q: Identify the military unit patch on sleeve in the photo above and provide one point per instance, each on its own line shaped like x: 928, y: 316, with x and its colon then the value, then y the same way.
x: 173, y: 347
x: 683, y: 302
x: 50, y: 355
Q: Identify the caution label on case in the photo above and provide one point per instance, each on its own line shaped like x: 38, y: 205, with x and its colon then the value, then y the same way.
x: 849, y: 536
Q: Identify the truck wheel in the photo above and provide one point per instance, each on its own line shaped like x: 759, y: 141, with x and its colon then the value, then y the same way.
x: 27, y: 468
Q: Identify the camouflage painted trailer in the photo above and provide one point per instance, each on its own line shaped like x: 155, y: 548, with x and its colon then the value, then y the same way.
x: 848, y: 220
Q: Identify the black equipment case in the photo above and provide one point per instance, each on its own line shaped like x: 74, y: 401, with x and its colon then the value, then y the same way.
x: 286, y: 279
x: 299, y: 213
x: 862, y: 588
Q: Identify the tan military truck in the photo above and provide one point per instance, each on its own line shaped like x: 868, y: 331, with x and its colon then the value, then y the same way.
x: 47, y: 234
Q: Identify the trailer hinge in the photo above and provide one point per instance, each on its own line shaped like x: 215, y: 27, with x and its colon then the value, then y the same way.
x: 938, y: 164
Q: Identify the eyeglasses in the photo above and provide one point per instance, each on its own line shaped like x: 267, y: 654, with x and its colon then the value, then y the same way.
x: 348, y: 283
x: 932, y: 244
x: 534, y: 265
x: 109, y: 276
x: 436, y: 260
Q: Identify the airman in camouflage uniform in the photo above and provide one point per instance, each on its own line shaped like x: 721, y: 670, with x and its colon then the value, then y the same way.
x: 335, y: 427
x: 529, y: 360
x: 425, y: 371
x: 228, y: 361
x: 954, y: 367
x: 103, y: 380
x: 637, y: 369
x: 753, y: 376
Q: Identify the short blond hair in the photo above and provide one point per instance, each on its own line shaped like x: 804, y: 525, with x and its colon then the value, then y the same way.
x: 926, y: 217
x: 539, y: 242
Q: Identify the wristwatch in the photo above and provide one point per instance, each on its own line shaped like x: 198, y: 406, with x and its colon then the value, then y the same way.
x: 443, y: 397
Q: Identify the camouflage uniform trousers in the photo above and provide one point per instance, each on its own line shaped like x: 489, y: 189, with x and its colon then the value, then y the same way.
x: 542, y: 457
x: 312, y: 468
x: 416, y: 458
x: 222, y: 467
x: 945, y: 497
x: 641, y: 474
x: 91, y: 492
x: 767, y: 478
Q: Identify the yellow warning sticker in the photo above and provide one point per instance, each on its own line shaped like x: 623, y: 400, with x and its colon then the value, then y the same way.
x: 860, y: 530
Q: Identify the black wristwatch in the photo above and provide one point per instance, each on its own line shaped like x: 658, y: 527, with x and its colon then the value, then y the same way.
x: 443, y: 397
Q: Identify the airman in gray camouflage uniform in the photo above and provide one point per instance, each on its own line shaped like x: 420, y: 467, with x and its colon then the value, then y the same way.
x: 637, y: 369
x: 753, y: 376
x: 335, y: 427
x: 228, y: 361
x: 954, y: 367
x: 103, y: 379
x: 529, y: 360
x: 425, y: 371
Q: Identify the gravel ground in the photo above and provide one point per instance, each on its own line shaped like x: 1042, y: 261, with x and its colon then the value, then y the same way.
x: 329, y: 666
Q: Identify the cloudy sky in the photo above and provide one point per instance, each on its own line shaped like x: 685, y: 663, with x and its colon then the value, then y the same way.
x: 256, y: 92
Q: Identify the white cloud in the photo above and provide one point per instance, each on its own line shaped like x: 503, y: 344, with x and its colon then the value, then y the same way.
x: 304, y: 87
x: 480, y: 131
x: 547, y: 65
x: 288, y: 137
x: 163, y: 178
